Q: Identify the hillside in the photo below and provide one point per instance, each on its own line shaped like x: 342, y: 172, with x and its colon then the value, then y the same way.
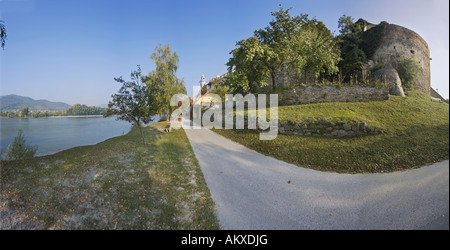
x: 415, y: 132
x: 16, y: 102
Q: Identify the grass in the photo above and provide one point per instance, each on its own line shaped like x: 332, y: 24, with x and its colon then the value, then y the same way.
x: 115, y: 184
x: 415, y: 133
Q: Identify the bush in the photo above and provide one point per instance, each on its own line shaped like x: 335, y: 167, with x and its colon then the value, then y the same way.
x: 407, y: 71
x: 19, y: 149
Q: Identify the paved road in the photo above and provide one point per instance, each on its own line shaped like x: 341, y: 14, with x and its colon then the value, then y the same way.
x: 253, y: 191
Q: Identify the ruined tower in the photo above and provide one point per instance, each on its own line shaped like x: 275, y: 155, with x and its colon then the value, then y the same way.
x: 399, y: 42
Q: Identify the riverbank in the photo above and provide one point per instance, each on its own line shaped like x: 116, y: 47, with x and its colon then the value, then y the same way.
x: 53, y: 135
x: 55, y: 116
x: 116, y: 184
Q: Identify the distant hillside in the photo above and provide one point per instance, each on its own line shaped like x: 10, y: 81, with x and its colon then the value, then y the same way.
x: 16, y: 102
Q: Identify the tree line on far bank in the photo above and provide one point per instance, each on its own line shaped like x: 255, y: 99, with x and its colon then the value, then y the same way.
x: 77, y: 109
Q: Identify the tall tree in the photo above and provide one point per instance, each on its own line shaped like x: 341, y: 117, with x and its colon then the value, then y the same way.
x: 2, y: 34
x: 350, y: 40
x: 247, y: 66
x: 276, y: 41
x: 24, y: 111
x: 315, y: 45
x: 164, y: 78
x: 295, y: 43
x: 264, y: 55
x: 134, y: 102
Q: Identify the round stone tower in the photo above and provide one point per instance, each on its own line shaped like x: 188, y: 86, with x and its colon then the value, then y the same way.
x: 398, y: 42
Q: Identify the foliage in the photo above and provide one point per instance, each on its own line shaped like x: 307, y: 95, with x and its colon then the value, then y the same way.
x: 247, y: 65
x: 319, y: 50
x: 31, y: 114
x: 3, y: 35
x: 357, y: 44
x: 379, y: 64
x: 163, y: 81
x: 19, y: 149
x: 350, y: 41
x: 407, y: 69
x: 345, y: 25
x: 296, y: 43
x: 134, y: 102
x: 372, y: 38
x: 353, y: 62
x: 79, y: 109
x: 220, y: 87
x: 24, y: 112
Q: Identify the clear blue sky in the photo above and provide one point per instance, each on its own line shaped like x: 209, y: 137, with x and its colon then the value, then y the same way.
x: 70, y: 51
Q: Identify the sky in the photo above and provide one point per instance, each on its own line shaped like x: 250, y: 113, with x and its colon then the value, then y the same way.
x: 71, y: 50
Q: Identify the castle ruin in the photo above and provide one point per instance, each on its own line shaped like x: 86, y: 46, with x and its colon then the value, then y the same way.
x: 399, y: 42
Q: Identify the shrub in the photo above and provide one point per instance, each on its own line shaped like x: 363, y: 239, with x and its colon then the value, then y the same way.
x: 19, y: 149
x: 407, y: 71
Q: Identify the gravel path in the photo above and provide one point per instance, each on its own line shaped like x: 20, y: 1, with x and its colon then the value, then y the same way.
x: 253, y: 191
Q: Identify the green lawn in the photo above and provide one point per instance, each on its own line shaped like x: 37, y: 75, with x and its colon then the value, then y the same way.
x: 115, y: 184
x: 415, y: 133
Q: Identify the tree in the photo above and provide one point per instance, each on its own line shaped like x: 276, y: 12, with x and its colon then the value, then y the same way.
x: 277, y: 41
x: 135, y: 102
x: 2, y: 34
x: 24, y: 111
x: 407, y: 69
x: 220, y: 87
x: 295, y: 43
x: 164, y: 79
x: 350, y: 40
x: 79, y: 109
x: 19, y: 149
x: 345, y: 25
x: 316, y: 46
x: 247, y: 66
x: 264, y: 54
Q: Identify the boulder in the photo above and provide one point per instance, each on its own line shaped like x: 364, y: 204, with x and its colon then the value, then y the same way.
x: 390, y: 75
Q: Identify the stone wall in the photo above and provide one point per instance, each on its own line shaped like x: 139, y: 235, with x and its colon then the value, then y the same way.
x: 305, y: 95
x: 323, y: 128
x: 320, y: 128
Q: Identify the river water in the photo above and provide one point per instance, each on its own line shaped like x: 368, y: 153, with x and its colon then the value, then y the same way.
x: 54, y: 134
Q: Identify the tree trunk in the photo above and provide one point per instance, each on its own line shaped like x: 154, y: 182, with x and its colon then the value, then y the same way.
x: 273, y: 81
x: 306, y: 76
x: 140, y: 129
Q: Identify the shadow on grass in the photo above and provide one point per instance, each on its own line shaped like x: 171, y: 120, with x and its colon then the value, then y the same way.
x: 415, y: 147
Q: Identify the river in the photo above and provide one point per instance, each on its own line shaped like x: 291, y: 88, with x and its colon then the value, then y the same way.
x: 54, y: 134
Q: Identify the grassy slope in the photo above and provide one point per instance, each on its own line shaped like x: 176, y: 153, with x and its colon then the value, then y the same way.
x: 415, y: 134
x: 116, y: 184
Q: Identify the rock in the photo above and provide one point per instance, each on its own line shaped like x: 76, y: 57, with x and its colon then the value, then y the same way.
x: 390, y: 75
x: 342, y: 133
x: 347, y: 127
x: 362, y: 126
